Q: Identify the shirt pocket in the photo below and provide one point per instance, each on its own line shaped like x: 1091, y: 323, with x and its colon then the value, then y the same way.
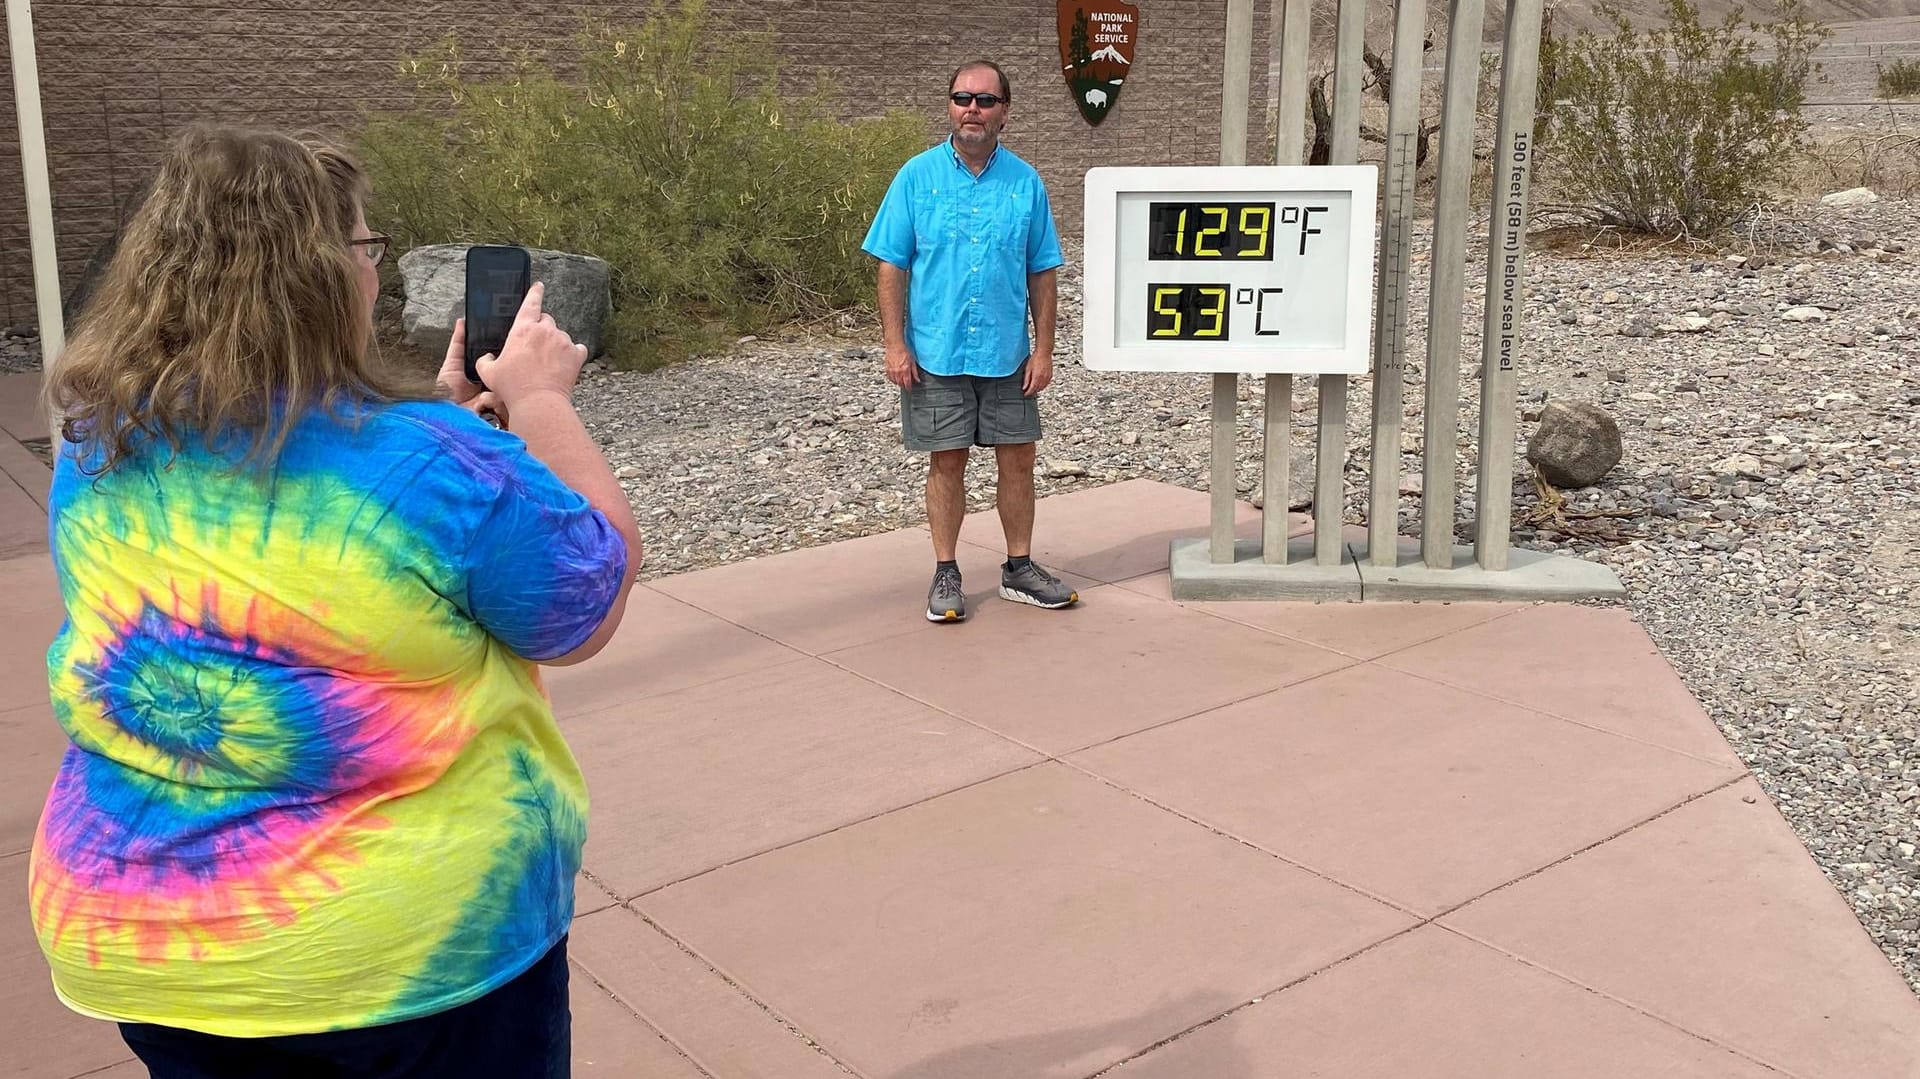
x: 1012, y: 221
x: 934, y: 211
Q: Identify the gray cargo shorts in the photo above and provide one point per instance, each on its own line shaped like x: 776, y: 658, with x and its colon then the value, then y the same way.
x: 951, y: 412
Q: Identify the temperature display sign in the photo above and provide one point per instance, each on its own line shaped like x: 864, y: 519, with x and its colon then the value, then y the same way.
x: 1229, y: 268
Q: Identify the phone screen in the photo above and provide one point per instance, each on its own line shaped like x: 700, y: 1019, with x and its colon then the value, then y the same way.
x: 497, y: 283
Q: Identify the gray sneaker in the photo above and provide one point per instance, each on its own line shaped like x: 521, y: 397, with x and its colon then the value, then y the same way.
x: 1031, y: 584
x: 945, y: 601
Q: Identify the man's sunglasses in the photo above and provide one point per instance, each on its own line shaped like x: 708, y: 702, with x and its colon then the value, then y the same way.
x: 985, y: 101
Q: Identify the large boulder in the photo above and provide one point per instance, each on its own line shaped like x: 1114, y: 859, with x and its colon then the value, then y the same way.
x: 579, y: 294
x: 1575, y: 445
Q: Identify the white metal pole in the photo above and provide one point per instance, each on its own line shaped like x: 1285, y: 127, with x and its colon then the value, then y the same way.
x: 1506, y: 296
x: 1292, y: 29
x: 1447, y: 277
x: 1330, y: 437
x: 33, y: 168
x: 1235, y: 84
x: 1390, y: 306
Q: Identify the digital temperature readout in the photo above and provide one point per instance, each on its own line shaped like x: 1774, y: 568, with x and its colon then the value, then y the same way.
x: 1216, y: 268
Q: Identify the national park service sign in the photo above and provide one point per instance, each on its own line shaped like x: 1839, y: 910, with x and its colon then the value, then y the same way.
x: 1096, y: 52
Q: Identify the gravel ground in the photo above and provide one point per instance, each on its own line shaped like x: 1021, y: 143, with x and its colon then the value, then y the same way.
x: 1765, y: 518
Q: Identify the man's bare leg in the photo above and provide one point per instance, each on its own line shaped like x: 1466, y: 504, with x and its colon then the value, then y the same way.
x: 947, y: 500
x: 1015, y: 497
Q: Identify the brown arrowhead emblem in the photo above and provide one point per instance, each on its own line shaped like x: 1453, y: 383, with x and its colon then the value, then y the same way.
x: 1096, y: 52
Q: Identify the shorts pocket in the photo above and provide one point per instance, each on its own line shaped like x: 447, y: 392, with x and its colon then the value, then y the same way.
x: 941, y: 411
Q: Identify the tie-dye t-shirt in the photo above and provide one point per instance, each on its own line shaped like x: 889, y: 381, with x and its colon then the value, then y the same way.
x: 315, y: 782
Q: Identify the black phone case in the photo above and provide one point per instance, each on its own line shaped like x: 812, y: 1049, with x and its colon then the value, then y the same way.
x: 486, y: 330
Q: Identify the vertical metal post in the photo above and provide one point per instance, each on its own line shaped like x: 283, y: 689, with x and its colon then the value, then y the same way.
x: 1296, y: 34
x: 33, y: 166
x: 1292, y: 30
x: 1506, y: 297
x: 1330, y: 440
x: 1448, y: 282
x: 1390, y: 310
x: 1234, y: 87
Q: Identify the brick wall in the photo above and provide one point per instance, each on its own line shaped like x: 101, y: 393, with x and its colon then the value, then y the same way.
x: 117, y: 76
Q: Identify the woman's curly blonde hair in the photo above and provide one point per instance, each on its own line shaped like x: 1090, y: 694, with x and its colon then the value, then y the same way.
x: 231, y: 307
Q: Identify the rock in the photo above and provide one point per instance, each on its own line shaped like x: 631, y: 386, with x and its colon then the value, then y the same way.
x: 579, y: 295
x: 1057, y: 468
x: 1766, y: 349
x: 1804, y: 314
x: 1740, y: 464
x: 1853, y: 196
x: 1575, y: 444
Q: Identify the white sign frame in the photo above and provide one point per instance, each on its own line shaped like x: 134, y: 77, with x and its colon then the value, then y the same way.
x: 1104, y: 185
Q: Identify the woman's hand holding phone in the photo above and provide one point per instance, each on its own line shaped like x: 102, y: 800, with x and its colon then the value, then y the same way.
x: 452, y: 380
x: 538, y: 357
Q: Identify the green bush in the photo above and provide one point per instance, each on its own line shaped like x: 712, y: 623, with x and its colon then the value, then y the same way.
x: 721, y: 199
x: 1900, y: 79
x: 1678, y: 129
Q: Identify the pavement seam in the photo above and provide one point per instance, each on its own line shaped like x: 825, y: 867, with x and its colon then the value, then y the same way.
x: 733, y: 983
x: 629, y: 701
x: 1236, y: 1009
x: 877, y: 814
x: 1637, y: 1009
x: 1571, y: 855
x: 1421, y: 921
x: 643, y: 1020
x: 103, y: 1068
x: 1248, y: 843
x: 1537, y: 710
x: 1224, y: 617
x: 1045, y: 758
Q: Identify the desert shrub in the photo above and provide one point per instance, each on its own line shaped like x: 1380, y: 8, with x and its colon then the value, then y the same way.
x: 1677, y: 129
x: 1886, y: 159
x: 1899, y: 79
x: 721, y: 198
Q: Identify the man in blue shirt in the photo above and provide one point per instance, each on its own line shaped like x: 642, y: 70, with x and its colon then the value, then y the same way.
x: 967, y: 247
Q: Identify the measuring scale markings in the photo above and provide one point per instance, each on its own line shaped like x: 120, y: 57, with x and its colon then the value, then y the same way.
x: 1394, y: 258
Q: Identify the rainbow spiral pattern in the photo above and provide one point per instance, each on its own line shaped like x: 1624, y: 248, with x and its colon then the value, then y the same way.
x: 314, y: 782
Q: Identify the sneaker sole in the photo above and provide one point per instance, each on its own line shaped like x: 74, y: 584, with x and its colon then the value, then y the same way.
x: 946, y: 616
x: 1023, y: 597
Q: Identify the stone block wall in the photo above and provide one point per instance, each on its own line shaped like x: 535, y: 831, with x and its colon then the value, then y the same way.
x: 119, y: 76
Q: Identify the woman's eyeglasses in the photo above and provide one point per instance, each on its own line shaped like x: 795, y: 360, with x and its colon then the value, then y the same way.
x: 376, y: 246
x: 985, y: 101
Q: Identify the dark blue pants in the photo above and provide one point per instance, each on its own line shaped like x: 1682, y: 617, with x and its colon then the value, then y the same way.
x: 522, y: 1030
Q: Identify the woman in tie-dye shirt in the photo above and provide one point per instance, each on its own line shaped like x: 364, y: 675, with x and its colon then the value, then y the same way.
x: 316, y: 818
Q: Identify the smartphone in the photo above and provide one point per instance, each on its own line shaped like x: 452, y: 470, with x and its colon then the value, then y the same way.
x: 497, y: 282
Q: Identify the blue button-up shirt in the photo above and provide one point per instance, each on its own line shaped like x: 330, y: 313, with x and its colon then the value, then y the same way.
x: 969, y: 243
